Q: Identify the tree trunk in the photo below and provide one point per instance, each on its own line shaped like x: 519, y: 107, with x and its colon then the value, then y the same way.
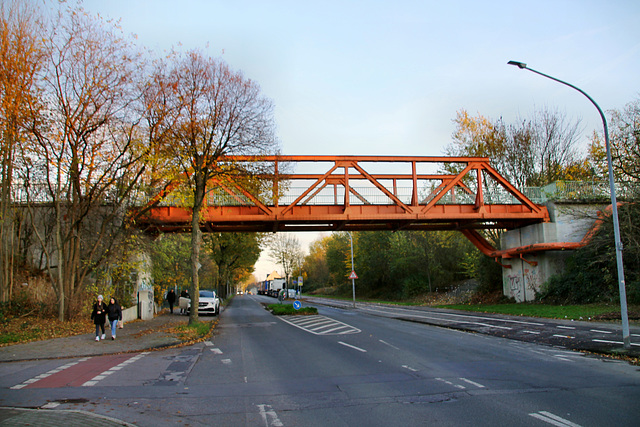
x: 60, y: 273
x: 6, y: 218
x: 198, y: 199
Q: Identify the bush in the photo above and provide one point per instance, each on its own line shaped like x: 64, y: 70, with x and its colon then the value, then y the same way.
x: 287, y: 309
x: 489, y: 275
x: 591, y: 272
x: 21, y: 305
x: 633, y: 292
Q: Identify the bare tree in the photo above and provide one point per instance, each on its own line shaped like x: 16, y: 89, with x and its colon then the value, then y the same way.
x: 625, y: 141
x: 207, y: 111
x: 285, y: 249
x: 530, y: 152
x: 556, y: 147
x: 85, y: 149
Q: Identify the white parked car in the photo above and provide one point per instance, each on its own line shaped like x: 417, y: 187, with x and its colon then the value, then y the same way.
x: 208, y: 302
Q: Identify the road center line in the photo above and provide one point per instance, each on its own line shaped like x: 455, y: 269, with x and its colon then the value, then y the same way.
x: 352, y: 346
x: 386, y: 343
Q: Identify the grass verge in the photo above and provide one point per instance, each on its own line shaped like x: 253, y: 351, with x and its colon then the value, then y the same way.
x: 573, y: 312
x: 287, y: 309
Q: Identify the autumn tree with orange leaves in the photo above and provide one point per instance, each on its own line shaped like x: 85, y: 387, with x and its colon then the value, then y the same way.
x: 20, y: 55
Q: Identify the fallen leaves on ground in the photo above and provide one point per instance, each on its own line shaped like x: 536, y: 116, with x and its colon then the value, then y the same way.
x: 25, y: 329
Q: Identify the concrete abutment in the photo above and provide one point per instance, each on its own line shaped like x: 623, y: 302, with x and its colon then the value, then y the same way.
x: 526, y: 274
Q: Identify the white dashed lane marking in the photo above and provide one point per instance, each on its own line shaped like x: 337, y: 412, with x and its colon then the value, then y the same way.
x: 460, y: 386
x: 472, y: 383
x: 113, y: 369
x: 81, y: 372
x: 352, y: 346
x: 552, y: 419
x: 49, y: 373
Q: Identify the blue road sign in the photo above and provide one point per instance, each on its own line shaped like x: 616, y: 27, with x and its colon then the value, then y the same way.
x: 297, y: 305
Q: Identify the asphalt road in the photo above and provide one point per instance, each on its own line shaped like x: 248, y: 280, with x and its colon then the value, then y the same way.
x: 340, y: 368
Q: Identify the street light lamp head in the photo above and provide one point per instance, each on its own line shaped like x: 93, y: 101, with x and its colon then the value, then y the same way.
x: 518, y: 64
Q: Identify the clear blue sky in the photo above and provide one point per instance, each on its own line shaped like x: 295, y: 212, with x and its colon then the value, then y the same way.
x: 387, y: 77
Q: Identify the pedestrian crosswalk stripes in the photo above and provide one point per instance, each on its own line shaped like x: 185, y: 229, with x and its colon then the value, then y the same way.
x: 320, y: 325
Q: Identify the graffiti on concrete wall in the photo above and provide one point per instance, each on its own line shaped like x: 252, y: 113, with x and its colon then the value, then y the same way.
x: 150, y: 302
x: 145, y: 285
x: 532, y: 280
x: 515, y: 286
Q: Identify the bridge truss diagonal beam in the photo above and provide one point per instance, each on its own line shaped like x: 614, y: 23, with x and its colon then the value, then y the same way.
x: 349, y: 193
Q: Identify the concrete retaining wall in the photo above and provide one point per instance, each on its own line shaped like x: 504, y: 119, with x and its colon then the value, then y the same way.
x: 569, y: 223
x: 129, y: 314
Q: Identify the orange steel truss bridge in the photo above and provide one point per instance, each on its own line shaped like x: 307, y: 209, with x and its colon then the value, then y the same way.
x: 350, y: 193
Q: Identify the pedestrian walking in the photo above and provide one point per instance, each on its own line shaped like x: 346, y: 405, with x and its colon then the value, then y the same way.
x: 99, y: 316
x: 114, y: 313
x: 171, y: 299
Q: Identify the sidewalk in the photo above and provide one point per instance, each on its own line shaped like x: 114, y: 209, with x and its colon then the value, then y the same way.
x: 135, y: 336
x: 53, y: 418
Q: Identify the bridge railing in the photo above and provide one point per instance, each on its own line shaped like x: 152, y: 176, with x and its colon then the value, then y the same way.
x: 360, y: 195
x: 587, y: 191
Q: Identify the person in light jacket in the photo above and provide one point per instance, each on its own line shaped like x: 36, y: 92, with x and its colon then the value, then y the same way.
x: 114, y: 311
x: 99, y: 315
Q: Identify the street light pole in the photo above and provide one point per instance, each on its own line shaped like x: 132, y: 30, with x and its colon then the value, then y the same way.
x: 353, y: 280
x: 614, y: 206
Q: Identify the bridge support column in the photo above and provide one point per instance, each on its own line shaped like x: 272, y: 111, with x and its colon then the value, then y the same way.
x: 529, y: 269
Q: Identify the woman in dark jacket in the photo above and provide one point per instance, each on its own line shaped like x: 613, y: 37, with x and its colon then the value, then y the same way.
x: 99, y: 315
x: 115, y: 314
